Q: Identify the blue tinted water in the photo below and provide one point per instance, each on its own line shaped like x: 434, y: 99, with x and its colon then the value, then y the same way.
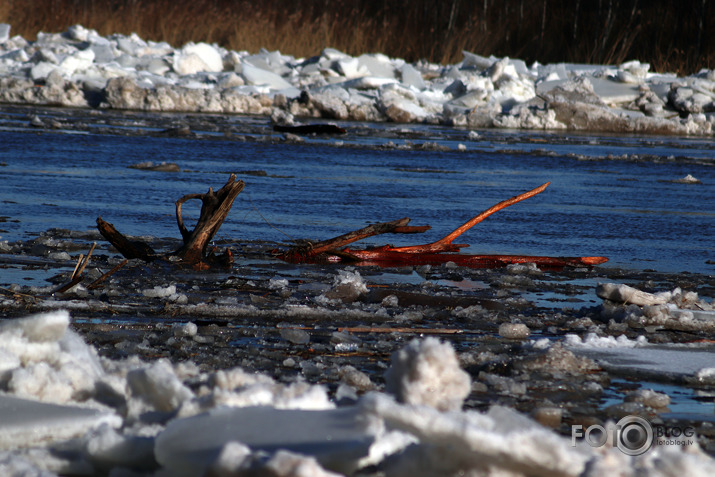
x: 628, y: 210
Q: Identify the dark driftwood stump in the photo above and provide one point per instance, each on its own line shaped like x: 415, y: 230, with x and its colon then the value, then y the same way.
x: 214, y: 209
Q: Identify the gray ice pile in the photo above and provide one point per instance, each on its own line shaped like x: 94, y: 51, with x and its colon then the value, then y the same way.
x: 64, y: 410
x: 83, y: 69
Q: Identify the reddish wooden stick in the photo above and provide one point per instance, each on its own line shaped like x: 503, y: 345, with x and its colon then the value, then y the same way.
x: 445, y: 244
x: 384, y: 257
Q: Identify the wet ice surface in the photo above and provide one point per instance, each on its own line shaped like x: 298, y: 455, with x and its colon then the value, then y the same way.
x: 175, y: 343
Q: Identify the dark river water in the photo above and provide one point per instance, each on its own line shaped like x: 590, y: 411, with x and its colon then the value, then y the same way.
x: 609, y: 196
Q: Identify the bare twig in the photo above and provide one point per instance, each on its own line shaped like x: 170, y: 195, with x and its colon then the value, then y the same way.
x: 98, y: 281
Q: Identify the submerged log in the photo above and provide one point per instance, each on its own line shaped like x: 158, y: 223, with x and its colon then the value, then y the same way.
x: 214, y: 209
x: 308, y: 251
x: 437, y: 252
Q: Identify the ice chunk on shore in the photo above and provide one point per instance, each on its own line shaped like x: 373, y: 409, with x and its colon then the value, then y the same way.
x: 197, y: 57
x: 427, y: 372
x: 479, y: 91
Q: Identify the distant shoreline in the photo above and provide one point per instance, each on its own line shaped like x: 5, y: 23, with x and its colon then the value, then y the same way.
x: 671, y: 36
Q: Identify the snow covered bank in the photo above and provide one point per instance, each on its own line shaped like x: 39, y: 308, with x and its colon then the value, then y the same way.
x: 83, y: 69
x: 135, y: 418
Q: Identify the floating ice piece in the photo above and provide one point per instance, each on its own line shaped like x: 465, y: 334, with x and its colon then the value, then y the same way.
x: 350, y: 67
x: 515, y: 331
x: 624, y: 294
x: 472, y: 59
x: 42, y: 327
x: 25, y: 423
x: 592, y: 340
x: 347, y: 287
x: 646, y: 360
x: 368, y: 82
x: 452, y: 442
x: 158, y: 291
x: 427, y: 372
x: 688, y: 179
x: 337, y: 438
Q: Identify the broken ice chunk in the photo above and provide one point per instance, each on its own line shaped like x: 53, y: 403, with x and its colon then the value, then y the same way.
x: 43, y: 327
x: 625, y: 294
x: 336, y: 438
x: 26, y: 423
x: 427, y: 372
x: 158, y: 385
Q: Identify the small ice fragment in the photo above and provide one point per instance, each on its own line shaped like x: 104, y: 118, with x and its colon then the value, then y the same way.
x: 106, y: 448
x: 159, y: 291
x: 592, y: 340
x: 649, y: 398
x: 705, y: 375
x: 689, y: 179
x: 277, y: 283
x: 295, y: 336
x: 355, y: 378
x: 390, y: 301
x: 514, y: 331
x: 182, y: 330
x: 59, y: 256
x: 347, y: 287
x: 548, y: 416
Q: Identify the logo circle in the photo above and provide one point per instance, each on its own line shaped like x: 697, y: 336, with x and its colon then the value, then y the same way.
x: 634, y: 435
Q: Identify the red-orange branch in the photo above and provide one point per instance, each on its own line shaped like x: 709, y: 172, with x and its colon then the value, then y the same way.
x: 445, y: 244
x: 431, y: 253
x: 385, y: 257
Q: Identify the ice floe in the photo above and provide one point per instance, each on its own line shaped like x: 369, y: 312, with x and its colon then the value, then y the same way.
x: 81, y: 68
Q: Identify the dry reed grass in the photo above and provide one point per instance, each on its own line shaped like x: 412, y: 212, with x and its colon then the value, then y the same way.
x: 671, y: 36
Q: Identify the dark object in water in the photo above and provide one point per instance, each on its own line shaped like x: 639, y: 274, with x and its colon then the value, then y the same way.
x: 307, y: 129
x: 214, y: 209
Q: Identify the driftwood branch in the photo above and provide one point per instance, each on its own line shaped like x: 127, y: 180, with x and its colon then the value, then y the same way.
x: 431, y: 253
x: 214, y: 209
x: 303, y: 253
x: 216, y: 205
x: 445, y: 244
